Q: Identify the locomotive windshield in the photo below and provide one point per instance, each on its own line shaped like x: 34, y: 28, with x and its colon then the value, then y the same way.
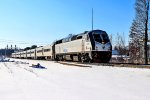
x: 97, y: 38
x: 101, y: 37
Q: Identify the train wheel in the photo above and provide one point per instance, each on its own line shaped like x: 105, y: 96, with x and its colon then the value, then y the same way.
x: 57, y: 58
x: 82, y: 59
x: 87, y: 58
x: 79, y: 57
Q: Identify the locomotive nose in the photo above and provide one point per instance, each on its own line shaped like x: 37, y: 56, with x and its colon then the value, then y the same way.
x: 103, y: 46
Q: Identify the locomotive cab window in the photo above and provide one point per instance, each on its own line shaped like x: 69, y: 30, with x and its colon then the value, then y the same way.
x: 97, y: 38
x: 101, y: 37
x: 79, y: 37
x: 105, y: 37
x: 59, y: 41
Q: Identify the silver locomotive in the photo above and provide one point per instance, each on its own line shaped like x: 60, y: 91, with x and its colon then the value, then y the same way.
x: 88, y: 46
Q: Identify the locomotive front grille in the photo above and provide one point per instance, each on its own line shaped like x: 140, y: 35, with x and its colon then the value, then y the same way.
x: 101, y: 55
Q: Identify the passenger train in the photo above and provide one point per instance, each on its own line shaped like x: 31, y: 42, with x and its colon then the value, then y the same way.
x: 88, y: 46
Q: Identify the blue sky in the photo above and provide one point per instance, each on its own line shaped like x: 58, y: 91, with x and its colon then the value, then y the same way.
x: 40, y: 22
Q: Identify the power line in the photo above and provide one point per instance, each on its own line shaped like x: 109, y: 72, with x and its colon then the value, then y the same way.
x: 21, y: 42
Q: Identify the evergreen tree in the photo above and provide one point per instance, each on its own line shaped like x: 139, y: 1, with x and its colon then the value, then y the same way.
x: 139, y: 32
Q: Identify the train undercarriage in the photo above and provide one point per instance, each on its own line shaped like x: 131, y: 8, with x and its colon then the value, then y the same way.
x: 94, y: 56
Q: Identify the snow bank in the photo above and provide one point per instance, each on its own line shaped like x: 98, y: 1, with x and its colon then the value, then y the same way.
x: 18, y: 81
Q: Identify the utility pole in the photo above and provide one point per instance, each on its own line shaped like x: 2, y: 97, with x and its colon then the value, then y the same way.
x: 146, y: 34
x: 92, y: 19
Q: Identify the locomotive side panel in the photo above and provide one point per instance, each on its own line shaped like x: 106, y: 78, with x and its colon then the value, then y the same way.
x: 69, y: 47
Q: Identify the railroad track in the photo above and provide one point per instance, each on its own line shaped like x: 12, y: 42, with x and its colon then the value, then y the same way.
x: 74, y: 64
x: 85, y: 64
x: 128, y: 65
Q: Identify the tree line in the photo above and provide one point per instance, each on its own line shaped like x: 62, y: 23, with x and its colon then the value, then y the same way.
x: 138, y: 35
x: 138, y: 48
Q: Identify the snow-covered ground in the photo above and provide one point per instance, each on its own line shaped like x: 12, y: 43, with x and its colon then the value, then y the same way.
x: 62, y: 82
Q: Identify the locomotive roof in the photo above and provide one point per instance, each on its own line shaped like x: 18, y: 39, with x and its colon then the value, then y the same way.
x: 71, y: 37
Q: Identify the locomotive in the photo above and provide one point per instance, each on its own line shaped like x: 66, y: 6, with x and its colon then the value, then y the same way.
x: 88, y: 46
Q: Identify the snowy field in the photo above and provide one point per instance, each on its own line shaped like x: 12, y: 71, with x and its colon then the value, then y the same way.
x: 62, y: 82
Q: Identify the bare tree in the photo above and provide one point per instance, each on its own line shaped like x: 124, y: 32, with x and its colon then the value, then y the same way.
x: 120, y: 46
